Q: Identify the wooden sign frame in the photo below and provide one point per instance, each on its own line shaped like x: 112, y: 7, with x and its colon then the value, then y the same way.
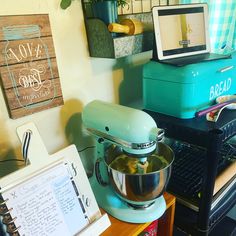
x: 28, y: 66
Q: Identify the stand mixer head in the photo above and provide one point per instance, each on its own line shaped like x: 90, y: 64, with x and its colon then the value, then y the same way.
x: 129, y: 136
x: 133, y: 130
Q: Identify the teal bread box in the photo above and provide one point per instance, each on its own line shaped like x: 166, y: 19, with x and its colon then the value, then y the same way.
x: 182, y: 91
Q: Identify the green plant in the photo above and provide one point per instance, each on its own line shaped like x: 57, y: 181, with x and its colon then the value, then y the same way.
x: 121, y: 3
x: 66, y: 3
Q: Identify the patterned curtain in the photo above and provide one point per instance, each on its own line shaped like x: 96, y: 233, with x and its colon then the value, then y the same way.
x: 222, y: 24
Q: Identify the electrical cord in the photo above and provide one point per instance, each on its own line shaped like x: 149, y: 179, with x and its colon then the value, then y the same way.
x: 22, y: 160
x: 24, y: 149
x: 86, y: 148
x: 1, y: 161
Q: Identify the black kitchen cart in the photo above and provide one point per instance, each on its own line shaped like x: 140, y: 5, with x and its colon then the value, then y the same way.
x: 209, y: 135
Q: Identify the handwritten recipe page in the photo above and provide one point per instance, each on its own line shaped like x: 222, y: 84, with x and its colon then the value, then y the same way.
x: 47, y: 204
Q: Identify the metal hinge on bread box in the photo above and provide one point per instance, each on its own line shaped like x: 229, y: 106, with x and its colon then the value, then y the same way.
x: 103, y: 44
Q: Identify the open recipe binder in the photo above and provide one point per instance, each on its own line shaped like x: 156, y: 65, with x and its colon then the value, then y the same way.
x: 51, y: 198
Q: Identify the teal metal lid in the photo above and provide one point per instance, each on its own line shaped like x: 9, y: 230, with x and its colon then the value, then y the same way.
x: 189, y: 74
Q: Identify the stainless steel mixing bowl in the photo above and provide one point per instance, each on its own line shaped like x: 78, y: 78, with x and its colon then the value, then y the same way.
x: 140, y: 190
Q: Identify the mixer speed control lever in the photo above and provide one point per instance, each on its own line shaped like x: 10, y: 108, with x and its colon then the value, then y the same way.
x: 98, y: 174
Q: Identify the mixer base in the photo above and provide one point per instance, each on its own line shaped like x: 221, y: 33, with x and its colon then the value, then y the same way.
x: 136, y: 206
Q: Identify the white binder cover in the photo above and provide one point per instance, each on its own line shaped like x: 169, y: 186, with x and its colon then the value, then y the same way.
x: 52, y: 197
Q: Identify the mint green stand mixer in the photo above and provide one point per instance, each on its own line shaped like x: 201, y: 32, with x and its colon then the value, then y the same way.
x: 129, y: 136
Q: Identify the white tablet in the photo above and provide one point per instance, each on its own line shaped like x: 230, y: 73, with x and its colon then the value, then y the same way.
x: 181, y: 30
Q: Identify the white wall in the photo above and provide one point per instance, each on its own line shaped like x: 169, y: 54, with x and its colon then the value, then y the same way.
x: 82, y: 79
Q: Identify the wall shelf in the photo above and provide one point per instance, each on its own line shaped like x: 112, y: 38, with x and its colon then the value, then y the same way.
x: 104, y: 44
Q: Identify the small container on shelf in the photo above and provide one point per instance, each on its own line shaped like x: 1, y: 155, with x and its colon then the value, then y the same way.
x: 119, y: 45
x: 151, y: 230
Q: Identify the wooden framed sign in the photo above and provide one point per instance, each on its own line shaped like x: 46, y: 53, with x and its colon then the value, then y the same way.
x: 28, y: 67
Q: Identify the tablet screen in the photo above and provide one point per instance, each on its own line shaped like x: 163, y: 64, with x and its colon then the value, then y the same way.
x: 181, y: 30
